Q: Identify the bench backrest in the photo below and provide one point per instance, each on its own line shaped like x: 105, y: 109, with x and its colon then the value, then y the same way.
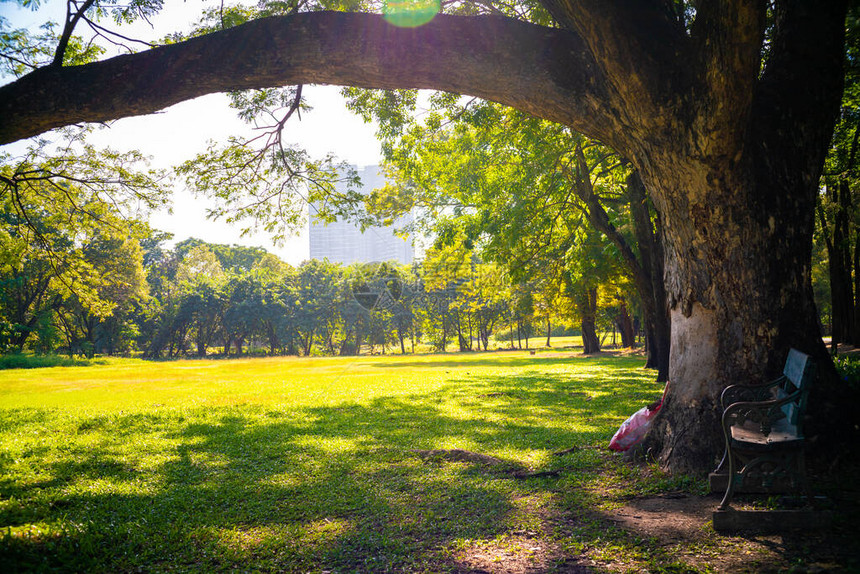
x: 799, y: 371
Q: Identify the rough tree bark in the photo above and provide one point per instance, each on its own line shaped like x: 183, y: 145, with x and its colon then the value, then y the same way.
x: 544, y: 71
x: 730, y: 150
x: 855, y: 261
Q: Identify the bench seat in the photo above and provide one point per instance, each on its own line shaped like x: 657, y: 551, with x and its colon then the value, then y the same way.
x: 783, y: 434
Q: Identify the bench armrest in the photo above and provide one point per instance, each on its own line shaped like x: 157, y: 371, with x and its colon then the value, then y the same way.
x: 748, y: 393
x: 763, y: 412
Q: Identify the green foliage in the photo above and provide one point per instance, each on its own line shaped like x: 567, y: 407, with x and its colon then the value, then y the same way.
x: 464, y: 163
x: 129, y: 11
x: 30, y: 361
x: 70, y: 264
x: 484, y: 160
x: 106, y: 183
x: 21, y: 51
x: 848, y: 368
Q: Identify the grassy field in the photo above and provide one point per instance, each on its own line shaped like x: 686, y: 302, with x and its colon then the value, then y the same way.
x: 320, y: 465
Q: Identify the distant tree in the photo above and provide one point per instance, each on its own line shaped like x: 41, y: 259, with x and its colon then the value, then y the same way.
x: 106, y: 326
x: 155, y: 318
x: 486, y: 292
x: 541, y: 175
x: 202, y: 303
x: 69, y: 252
x: 27, y: 300
x: 447, y: 266
x: 318, y: 291
x: 275, y: 278
x: 198, y: 263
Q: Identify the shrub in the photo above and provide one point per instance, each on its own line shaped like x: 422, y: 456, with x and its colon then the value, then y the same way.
x: 848, y: 368
x: 28, y: 361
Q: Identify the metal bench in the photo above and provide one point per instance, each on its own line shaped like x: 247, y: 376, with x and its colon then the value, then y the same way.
x: 763, y: 429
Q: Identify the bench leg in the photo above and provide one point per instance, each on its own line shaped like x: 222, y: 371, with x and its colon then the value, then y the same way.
x: 730, y: 487
x: 804, y: 481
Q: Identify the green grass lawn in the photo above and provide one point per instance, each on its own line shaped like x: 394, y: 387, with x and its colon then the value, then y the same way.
x: 301, y: 465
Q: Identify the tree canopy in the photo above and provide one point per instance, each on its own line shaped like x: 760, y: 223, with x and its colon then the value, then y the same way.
x: 724, y: 107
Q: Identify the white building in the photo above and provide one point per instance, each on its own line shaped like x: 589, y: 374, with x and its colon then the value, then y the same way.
x: 343, y: 242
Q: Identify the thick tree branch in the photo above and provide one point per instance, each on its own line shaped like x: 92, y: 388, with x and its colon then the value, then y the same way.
x: 643, y: 47
x: 797, y: 116
x: 598, y: 217
x: 728, y: 36
x: 543, y: 71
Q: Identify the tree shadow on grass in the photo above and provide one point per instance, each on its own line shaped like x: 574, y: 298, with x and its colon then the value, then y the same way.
x: 498, y: 359
x: 335, y: 487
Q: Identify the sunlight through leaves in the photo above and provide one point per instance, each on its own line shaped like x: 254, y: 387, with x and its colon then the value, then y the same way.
x: 410, y: 13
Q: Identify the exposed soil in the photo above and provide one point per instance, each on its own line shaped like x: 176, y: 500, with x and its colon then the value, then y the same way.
x: 676, y: 530
x: 679, y: 526
x: 843, y: 348
x: 682, y: 526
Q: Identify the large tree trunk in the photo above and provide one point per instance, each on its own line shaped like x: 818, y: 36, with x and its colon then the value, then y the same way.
x: 732, y: 321
x: 856, y: 265
x: 738, y: 234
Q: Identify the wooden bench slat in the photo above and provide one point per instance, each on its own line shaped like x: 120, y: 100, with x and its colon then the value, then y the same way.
x: 750, y: 434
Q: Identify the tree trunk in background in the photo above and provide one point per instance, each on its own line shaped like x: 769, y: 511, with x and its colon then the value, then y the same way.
x: 856, y: 266
x: 837, y: 240
x: 625, y: 326
x: 652, y: 290
x: 588, y: 310
x: 646, y: 269
x: 844, y: 249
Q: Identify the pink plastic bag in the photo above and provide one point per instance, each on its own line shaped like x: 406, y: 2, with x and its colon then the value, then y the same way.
x: 634, y: 428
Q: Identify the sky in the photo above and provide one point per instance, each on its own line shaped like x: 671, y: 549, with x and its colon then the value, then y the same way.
x: 181, y: 131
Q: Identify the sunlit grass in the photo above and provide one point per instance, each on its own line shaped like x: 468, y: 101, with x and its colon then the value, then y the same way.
x: 288, y: 464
